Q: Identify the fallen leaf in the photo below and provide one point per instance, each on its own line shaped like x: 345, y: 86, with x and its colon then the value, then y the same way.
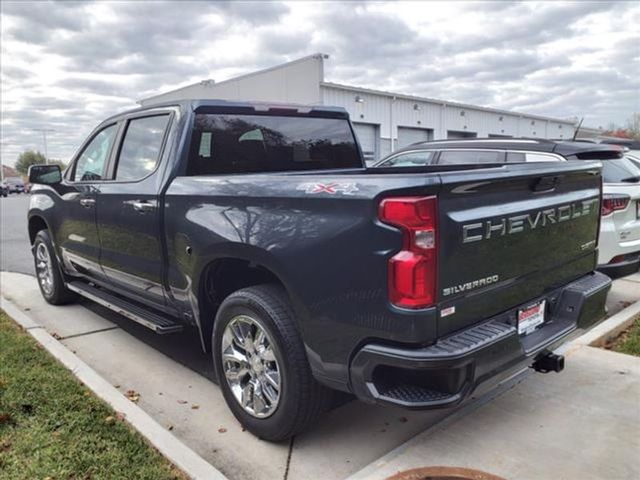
x: 120, y: 416
x: 222, y: 430
x: 133, y: 396
x: 182, y: 402
x: 56, y: 336
x: 110, y: 420
x: 5, y: 418
x: 195, y: 406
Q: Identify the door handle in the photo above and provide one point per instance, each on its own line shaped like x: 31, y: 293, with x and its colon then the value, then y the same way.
x: 87, y: 202
x: 143, y: 207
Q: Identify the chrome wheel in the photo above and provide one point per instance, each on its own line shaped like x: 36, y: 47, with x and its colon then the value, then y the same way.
x: 250, y: 366
x: 44, y: 268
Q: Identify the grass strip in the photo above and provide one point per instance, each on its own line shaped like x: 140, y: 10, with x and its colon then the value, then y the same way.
x: 54, y: 428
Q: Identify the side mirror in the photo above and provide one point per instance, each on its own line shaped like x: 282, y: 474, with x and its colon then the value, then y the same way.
x: 45, y: 174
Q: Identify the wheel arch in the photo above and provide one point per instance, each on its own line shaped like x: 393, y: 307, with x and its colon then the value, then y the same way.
x: 36, y: 224
x: 224, y: 275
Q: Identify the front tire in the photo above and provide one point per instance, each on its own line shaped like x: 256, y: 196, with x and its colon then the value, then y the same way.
x: 262, y: 366
x: 48, y: 272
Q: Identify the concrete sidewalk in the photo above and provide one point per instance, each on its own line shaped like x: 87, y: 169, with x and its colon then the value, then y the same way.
x: 583, y: 424
x: 174, y: 380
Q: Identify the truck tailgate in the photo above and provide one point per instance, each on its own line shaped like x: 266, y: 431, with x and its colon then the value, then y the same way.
x: 503, y: 241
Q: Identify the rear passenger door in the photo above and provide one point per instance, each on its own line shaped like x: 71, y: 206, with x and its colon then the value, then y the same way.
x: 128, y: 216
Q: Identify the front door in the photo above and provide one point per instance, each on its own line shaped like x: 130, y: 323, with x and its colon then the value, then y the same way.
x: 128, y: 212
x: 77, y: 234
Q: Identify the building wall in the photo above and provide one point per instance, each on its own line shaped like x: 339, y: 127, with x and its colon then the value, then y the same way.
x: 302, y: 81
x: 389, y: 113
x: 293, y: 82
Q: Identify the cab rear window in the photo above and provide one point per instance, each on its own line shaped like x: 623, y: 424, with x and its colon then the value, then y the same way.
x: 237, y: 143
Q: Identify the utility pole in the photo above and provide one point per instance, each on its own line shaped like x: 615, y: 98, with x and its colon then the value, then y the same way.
x: 44, y: 138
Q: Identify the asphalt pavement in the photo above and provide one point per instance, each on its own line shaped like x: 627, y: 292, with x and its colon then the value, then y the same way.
x: 15, y: 255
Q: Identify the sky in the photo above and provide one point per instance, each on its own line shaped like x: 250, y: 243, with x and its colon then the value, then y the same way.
x: 66, y: 66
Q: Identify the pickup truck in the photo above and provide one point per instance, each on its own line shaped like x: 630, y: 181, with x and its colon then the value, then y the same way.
x: 304, y: 272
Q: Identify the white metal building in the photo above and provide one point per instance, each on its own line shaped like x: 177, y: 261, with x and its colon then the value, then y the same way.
x: 384, y: 121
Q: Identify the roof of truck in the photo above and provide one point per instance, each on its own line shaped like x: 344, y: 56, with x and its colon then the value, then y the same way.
x: 562, y: 147
x: 234, y: 106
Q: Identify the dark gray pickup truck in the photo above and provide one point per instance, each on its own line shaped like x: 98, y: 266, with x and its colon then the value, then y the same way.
x: 305, y: 272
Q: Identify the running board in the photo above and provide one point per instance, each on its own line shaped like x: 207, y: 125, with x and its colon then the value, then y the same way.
x: 133, y: 312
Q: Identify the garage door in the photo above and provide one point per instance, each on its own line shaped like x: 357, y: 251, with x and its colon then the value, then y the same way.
x: 368, y: 137
x: 454, y: 134
x: 407, y: 136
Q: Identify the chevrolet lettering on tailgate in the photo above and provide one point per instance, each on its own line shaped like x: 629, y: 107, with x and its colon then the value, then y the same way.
x: 475, y: 232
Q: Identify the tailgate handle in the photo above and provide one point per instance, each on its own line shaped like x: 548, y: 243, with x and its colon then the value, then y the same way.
x: 544, y: 184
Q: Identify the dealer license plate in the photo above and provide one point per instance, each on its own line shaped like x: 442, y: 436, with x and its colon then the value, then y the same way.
x: 529, y: 318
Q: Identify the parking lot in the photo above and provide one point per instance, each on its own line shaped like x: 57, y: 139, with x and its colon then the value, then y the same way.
x: 174, y: 382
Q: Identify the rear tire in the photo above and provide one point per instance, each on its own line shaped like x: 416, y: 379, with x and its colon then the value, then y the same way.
x: 300, y: 398
x: 48, y: 272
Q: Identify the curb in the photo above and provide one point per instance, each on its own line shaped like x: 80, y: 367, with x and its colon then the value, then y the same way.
x: 166, y: 443
x: 606, y: 331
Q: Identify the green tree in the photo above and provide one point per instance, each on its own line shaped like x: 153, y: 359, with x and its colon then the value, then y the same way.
x: 633, y: 126
x: 28, y: 158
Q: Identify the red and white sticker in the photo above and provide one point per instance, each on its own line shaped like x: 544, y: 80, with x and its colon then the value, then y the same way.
x: 529, y: 318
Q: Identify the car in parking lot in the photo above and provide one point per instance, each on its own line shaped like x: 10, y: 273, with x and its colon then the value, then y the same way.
x: 15, y: 185
x: 619, y: 240
x: 620, y: 224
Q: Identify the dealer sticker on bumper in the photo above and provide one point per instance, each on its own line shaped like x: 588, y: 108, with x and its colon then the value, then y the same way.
x: 529, y: 318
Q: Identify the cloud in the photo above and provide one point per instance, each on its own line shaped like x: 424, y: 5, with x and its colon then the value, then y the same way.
x: 67, y: 65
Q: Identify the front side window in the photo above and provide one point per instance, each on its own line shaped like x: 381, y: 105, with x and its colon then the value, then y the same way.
x: 456, y: 157
x: 237, y: 143
x: 141, y: 147
x: 93, y: 159
x: 409, y: 159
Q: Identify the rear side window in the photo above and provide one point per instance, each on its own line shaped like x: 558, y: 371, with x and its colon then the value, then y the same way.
x: 229, y: 143
x: 453, y: 157
x: 520, y: 157
x: 620, y: 170
x: 93, y: 159
x: 409, y: 159
x: 141, y: 147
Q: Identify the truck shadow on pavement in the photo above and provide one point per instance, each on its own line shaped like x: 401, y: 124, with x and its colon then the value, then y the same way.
x: 183, y: 347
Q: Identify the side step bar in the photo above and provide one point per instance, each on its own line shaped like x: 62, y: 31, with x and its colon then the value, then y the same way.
x: 133, y: 312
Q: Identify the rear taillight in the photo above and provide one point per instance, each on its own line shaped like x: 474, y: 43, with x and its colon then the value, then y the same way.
x: 412, y: 271
x: 611, y: 203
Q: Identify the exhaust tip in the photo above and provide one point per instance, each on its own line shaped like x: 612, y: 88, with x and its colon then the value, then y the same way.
x: 549, y: 362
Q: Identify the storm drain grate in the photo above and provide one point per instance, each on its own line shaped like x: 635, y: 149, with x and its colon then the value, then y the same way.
x: 444, y: 473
